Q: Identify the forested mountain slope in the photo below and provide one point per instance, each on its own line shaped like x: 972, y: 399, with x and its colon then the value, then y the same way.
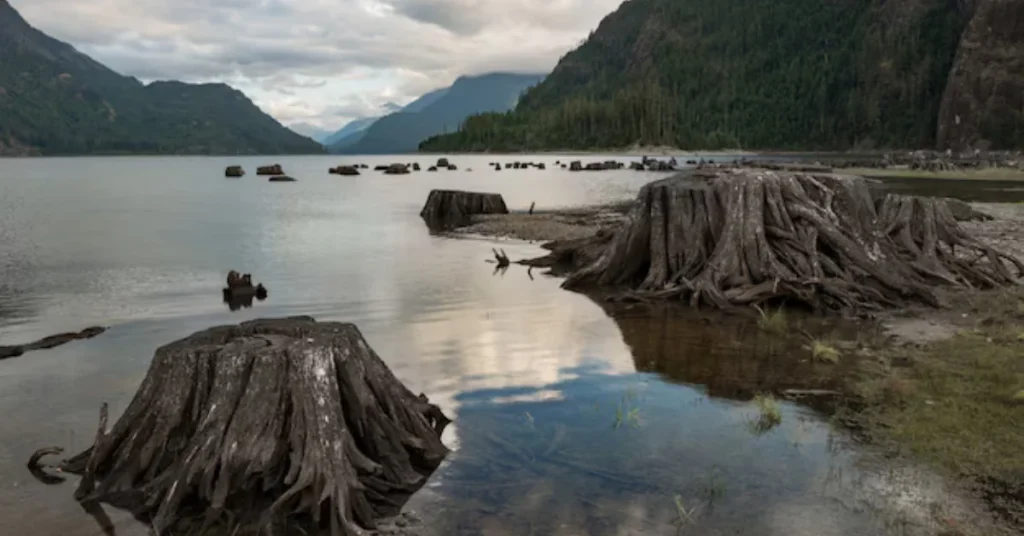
x: 785, y: 74
x: 56, y: 100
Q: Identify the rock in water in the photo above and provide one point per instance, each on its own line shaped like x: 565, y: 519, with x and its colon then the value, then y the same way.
x: 447, y: 209
x: 282, y: 178
x: 234, y: 171
x: 282, y: 421
x: 738, y: 237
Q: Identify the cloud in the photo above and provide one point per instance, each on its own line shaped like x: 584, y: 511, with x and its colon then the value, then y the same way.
x: 320, y: 59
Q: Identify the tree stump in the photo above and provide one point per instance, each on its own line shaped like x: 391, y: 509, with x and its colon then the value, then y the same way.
x: 447, y: 209
x: 269, y: 422
x: 270, y: 170
x: 737, y: 237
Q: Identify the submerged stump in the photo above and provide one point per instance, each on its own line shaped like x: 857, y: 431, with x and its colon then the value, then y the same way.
x: 268, y: 422
x: 738, y: 237
x: 447, y: 209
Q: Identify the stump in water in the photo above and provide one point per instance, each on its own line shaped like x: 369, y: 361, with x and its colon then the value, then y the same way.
x: 745, y: 237
x: 269, y: 422
x: 447, y: 209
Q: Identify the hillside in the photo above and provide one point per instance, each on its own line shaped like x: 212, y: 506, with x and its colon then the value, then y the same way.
x: 786, y: 74
x: 56, y: 100
x: 440, y: 111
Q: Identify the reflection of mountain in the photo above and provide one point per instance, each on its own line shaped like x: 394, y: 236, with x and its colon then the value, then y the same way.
x: 730, y: 356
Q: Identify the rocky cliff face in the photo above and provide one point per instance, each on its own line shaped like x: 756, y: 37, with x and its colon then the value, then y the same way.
x: 983, y: 106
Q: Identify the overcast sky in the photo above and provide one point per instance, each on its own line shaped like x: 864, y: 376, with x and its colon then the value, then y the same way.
x: 320, y: 61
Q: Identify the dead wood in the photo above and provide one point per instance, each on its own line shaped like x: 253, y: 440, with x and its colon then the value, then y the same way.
x: 501, y: 258
x: 264, y: 423
x: 49, y: 342
x: 740, y: 237
x: 448, y: 209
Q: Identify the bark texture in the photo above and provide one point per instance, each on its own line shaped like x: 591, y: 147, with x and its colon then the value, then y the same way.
x: 447, y: 209
x: 736, y: 237
x: 269, y: 422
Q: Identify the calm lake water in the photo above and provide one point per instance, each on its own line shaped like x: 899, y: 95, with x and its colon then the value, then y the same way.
x: 568, y: 419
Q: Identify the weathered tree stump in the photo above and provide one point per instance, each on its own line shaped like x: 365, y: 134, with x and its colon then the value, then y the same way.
x: 270, y: 170
x: 234, y: 171
x: 266, y: 423
x: 446, y: 209
x: 738, y: 237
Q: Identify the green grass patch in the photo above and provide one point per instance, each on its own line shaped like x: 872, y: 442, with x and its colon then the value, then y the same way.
x: 958, y: 406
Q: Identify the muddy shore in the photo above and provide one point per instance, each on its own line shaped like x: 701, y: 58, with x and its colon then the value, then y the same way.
x: 940, y: 386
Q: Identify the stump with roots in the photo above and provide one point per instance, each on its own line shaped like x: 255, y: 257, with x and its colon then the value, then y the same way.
x: 738, y: 237
x: 270, y: 422
x: 447, y: 209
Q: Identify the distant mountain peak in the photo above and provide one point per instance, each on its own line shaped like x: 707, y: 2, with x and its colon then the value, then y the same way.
x: 439, y: 111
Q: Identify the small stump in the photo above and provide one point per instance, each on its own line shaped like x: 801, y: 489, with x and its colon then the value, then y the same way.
x: 447, y: 209
x: 234, y: 171
x: 397, y: 169
x: 240, y: 287
x: 267, y: 423
x: 344, y: 170
x: 270, y: 170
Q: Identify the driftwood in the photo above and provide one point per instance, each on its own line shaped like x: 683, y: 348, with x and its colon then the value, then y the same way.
x: 282, y: 178
x: 51, y: 341
x: 268, y: 423
x: 447, y: 209
x: 739, y: 237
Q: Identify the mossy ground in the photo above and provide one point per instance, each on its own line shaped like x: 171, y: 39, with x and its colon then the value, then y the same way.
x: 954, y: 403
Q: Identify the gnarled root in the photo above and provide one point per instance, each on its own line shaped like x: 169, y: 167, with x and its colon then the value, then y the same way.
x: 741, y: 237
x: 268, y: 422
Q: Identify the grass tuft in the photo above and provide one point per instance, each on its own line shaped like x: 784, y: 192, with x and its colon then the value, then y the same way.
x: 774, y: 322
x: 824, y: 353
x: 769, y: 414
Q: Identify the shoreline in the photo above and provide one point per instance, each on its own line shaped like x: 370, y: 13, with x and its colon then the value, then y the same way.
x: 941, y: 387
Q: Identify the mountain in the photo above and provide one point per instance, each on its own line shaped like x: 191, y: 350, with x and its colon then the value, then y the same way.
x: 312, y: 132
x: 354, y: 131
x: 56, y: 100
x: 440, y: 111
x: 785, y: 74
x: 351, y: 128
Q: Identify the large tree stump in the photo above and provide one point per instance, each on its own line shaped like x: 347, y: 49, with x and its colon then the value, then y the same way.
x: 447, y: 209
x: 272, y: 421
x: 748, y: 236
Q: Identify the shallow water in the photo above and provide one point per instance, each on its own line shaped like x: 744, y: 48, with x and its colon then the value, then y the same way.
x: 556, y: 431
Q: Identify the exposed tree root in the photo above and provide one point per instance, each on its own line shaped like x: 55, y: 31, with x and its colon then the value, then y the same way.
x: 269, y: 422
x: 740, y: 237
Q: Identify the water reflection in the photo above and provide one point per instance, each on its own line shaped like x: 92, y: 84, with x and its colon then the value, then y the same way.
x: 728, y: 356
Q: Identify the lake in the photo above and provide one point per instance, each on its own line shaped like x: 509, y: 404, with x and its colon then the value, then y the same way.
x: 570, y: 417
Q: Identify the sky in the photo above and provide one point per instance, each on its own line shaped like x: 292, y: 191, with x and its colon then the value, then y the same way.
x: 322, y: 62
